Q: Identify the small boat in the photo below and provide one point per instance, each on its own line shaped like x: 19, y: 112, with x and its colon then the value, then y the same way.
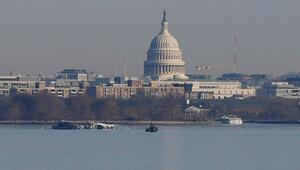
x: 63, y: 125
x: 104, y: 126
x: 152, y: 128
x: 231, y: 119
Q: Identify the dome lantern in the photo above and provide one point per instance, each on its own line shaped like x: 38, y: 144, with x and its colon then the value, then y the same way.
x: 164, y: 25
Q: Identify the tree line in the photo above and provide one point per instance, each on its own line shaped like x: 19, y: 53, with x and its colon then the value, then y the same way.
x: 45, y: 107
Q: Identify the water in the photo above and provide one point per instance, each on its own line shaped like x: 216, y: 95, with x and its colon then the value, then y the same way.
x: 201, y: 147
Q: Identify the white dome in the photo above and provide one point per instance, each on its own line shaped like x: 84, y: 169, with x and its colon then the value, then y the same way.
x: 164, y: 41
x: 164, y: 57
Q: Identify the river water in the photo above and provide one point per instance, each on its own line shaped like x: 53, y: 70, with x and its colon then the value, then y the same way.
x: 199, y: 147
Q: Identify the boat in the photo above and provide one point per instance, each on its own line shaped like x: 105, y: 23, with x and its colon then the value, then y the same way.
x: 63, y: 125
x: 152, y: 128
x: 104, y: 126
x: 231, y: 119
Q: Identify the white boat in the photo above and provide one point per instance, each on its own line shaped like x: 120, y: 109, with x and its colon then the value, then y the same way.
x: 105, y: 126
x: 231, y: 119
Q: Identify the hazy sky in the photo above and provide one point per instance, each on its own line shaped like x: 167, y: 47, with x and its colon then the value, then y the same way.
x: 49, y: 35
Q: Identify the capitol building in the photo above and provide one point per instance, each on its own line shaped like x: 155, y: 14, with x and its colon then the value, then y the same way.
x: 164, y: 57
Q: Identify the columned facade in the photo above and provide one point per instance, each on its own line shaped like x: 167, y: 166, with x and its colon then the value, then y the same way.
x: 157, y: 69
x: 164, y: 57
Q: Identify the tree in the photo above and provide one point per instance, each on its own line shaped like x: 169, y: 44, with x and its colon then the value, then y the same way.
x: 50, y: 107
x: 79, y: 108
x: 14, y: 113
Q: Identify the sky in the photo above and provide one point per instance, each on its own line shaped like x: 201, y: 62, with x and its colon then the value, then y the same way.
x: 46, y: 36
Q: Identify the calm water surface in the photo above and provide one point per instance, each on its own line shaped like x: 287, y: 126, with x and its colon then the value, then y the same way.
x: 201, y: 147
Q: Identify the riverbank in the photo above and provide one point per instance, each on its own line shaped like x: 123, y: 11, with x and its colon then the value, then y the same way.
x: 273, y: 121
x: 127, y: 122
x: 118, y: 122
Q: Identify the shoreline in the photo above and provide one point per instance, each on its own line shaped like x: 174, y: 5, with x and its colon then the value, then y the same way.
x: 146, y: 122
x: 118, y: 122
x: 283, y: 122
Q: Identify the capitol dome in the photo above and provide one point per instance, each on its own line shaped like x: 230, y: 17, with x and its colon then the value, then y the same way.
x: 164, y: 57
x: 164, y: 41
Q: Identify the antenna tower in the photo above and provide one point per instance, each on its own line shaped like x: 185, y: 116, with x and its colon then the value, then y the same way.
x: 235, y: 55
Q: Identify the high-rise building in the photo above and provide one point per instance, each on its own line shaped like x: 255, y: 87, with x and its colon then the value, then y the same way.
x: 164, y: 57
x: 73, y: 74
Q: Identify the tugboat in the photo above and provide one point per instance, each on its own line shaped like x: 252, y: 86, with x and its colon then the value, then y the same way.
x: 152, y: 128
x: 63, y: 125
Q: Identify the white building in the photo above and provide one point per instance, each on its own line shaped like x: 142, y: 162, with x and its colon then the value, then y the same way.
x: 164, y: 57
x: 280, y: 89
x: 20, y: 85
x: 65, y: 92
x: 212, y: 89
x: 194, y: 113
x: 11, y: 85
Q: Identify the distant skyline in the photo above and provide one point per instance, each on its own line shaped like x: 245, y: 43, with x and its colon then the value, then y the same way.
x: 50, y: 35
